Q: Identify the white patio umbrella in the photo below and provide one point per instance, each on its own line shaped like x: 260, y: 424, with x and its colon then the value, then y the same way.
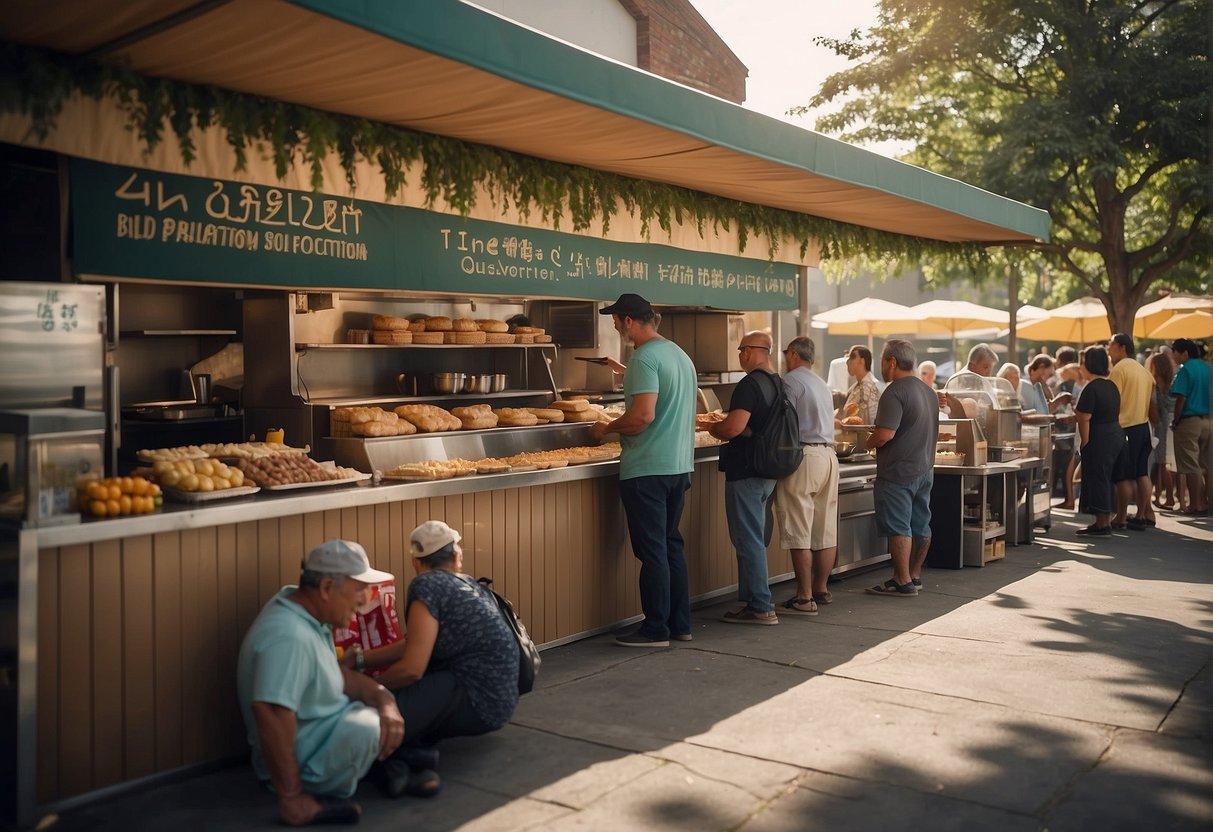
x: 1078, y: 322
x: 1153, y: 315
x: 870, y: 317
x: 953, y: 316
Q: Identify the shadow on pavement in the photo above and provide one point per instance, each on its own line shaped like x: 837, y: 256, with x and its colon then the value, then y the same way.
x: 1051, y: 689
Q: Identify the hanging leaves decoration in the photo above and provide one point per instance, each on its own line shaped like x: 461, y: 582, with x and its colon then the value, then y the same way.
x: 37, y: 83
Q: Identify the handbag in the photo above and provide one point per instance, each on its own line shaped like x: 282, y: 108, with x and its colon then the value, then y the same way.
x: 528, y: 654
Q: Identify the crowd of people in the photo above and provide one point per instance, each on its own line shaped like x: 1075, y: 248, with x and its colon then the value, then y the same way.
x: 317, y: 725
x: 1142, y: 424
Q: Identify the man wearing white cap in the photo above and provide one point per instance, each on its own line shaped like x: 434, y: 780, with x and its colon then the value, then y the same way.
x: 315, y: 727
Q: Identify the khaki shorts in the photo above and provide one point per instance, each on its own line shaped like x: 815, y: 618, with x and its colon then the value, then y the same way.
x: 806, y: 501
x: 1191, y: 444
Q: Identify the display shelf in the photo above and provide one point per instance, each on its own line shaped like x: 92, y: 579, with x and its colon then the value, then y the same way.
x: 308, y: 347
x: 153, y: 333
x: 470, y: 398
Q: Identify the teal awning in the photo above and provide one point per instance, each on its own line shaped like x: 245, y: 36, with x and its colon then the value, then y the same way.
x: 449, y: 68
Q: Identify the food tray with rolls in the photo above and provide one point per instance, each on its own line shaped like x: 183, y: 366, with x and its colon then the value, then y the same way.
x: 179, y: 496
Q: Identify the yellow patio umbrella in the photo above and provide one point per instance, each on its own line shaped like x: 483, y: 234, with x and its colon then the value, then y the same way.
x: 1153, y: 315
x: 1197, y: 324
x: 1079, y: 322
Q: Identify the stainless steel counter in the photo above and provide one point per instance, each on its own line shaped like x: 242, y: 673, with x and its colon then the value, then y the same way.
x: 267, y: 504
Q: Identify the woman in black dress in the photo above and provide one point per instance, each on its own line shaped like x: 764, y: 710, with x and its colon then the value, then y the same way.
x: 1100, y: 438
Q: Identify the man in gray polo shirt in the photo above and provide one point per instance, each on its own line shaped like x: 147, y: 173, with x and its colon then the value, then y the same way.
x: 806, y: 501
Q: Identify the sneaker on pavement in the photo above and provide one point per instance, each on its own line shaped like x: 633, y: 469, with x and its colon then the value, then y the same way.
x: 745, y: 615
x: 682, y: 636
x: 641, y: 640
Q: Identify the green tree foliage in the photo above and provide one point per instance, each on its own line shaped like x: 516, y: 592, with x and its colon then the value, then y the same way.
x: 1096, y: 110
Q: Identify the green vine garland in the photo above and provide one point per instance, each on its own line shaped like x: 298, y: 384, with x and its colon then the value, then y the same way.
x: 37, y: 83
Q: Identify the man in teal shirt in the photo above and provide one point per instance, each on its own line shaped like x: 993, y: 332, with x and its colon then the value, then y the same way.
x: 315, y: 726
x: 1191, y: 425
x: 657, y: 434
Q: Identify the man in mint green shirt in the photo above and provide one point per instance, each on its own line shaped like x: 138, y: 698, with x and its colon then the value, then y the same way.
x: 657, y: 434
x: 315, y: 726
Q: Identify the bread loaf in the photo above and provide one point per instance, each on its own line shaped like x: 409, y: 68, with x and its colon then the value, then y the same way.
x: 392, y: 336
x: 515, y: 417
x: 388, y: 322
x: 428, y: 418
x: 417, y: 326
x: 475, y: 417
x: 571, y: 405
x: 543, y: 339
x: 438, y: 323
x: 464, y: 325
x: 499, y: 338
x: 427, y: 337
x: 490, y: 325
x: 529, y: 330
x: 551, y: 414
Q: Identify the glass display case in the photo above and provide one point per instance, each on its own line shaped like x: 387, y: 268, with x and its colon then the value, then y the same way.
x: 992, y: 402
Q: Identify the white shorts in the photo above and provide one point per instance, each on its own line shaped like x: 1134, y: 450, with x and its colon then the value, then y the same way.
x: 806, y: 501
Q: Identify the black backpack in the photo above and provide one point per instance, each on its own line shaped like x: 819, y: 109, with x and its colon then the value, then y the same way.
x: 528, y: 653
x: 775, y: 451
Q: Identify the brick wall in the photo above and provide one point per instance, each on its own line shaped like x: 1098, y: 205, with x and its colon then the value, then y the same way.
x: 673, y: 41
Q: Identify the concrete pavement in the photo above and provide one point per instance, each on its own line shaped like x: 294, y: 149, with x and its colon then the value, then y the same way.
x: 1066, y: 687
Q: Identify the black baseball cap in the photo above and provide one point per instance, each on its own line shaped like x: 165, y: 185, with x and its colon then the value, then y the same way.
x: 629, y: 306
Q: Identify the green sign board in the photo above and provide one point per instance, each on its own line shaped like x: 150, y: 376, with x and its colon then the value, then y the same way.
x: 129, y: 222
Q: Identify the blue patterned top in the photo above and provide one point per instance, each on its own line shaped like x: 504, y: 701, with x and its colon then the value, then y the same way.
x: 474, y: 642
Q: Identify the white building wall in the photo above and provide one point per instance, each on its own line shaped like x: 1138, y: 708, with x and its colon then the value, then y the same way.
x: 601, y: 26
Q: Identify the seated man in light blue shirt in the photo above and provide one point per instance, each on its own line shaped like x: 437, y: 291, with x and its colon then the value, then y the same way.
x: 315, y: 727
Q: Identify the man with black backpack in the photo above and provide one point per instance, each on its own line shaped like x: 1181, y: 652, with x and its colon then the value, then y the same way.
x: 747, y: 488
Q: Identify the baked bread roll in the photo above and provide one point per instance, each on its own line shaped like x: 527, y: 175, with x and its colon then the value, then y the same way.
x: 428, y: 418
x: 465, y: 325
x: 469, y: 338
x: 543, y: 339
x: 397, y: 428
x: 551, y: 414
x: 392, y: 336
x: 524, y: 339
x: 499, y: 338
x: 853, y: 420
x: 389, y: 322
x: 515, y: 417
x: 571, y: 405
x: 438, y: 323
x: 529, y: 330
x: 492, y: 466
x: 475, y: 417
x: 852, y: 409
x: 490, y: 325
x: 417, y: 326
x: 588, y: 415
x: 428, y: 337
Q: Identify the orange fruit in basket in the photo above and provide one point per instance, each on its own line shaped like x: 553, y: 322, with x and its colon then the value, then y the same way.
x: 112, y: 507
x: 97, y: 491
x: 115, y: 491
x: 125, y: 504
x: 153, y: 490
x: 127, y: 484
x: 97, y: 508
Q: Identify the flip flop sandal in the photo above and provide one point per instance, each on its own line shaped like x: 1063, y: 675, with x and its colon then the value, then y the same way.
x: 891, y: 588
x: 334, y: 812
x: 824, y: 598
x: 790, y: 607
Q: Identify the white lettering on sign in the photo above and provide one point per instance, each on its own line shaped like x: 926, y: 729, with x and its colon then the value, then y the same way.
x: 234, y: 206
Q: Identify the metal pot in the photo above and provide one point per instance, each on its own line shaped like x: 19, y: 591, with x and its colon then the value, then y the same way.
x: 500, y: 382
x: 449, y: 382
x: 479, y: 383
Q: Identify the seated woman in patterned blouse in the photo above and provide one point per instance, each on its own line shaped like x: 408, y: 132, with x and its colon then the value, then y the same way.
x: 456, y: 672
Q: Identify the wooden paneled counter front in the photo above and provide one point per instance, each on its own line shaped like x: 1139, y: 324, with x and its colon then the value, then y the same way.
x: 138, y: 620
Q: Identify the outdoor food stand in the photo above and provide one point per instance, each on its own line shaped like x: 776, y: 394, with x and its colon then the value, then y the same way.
x: 128, y: 627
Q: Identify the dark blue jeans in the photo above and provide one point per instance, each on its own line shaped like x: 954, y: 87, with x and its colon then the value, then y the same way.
x: 654, y: 506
